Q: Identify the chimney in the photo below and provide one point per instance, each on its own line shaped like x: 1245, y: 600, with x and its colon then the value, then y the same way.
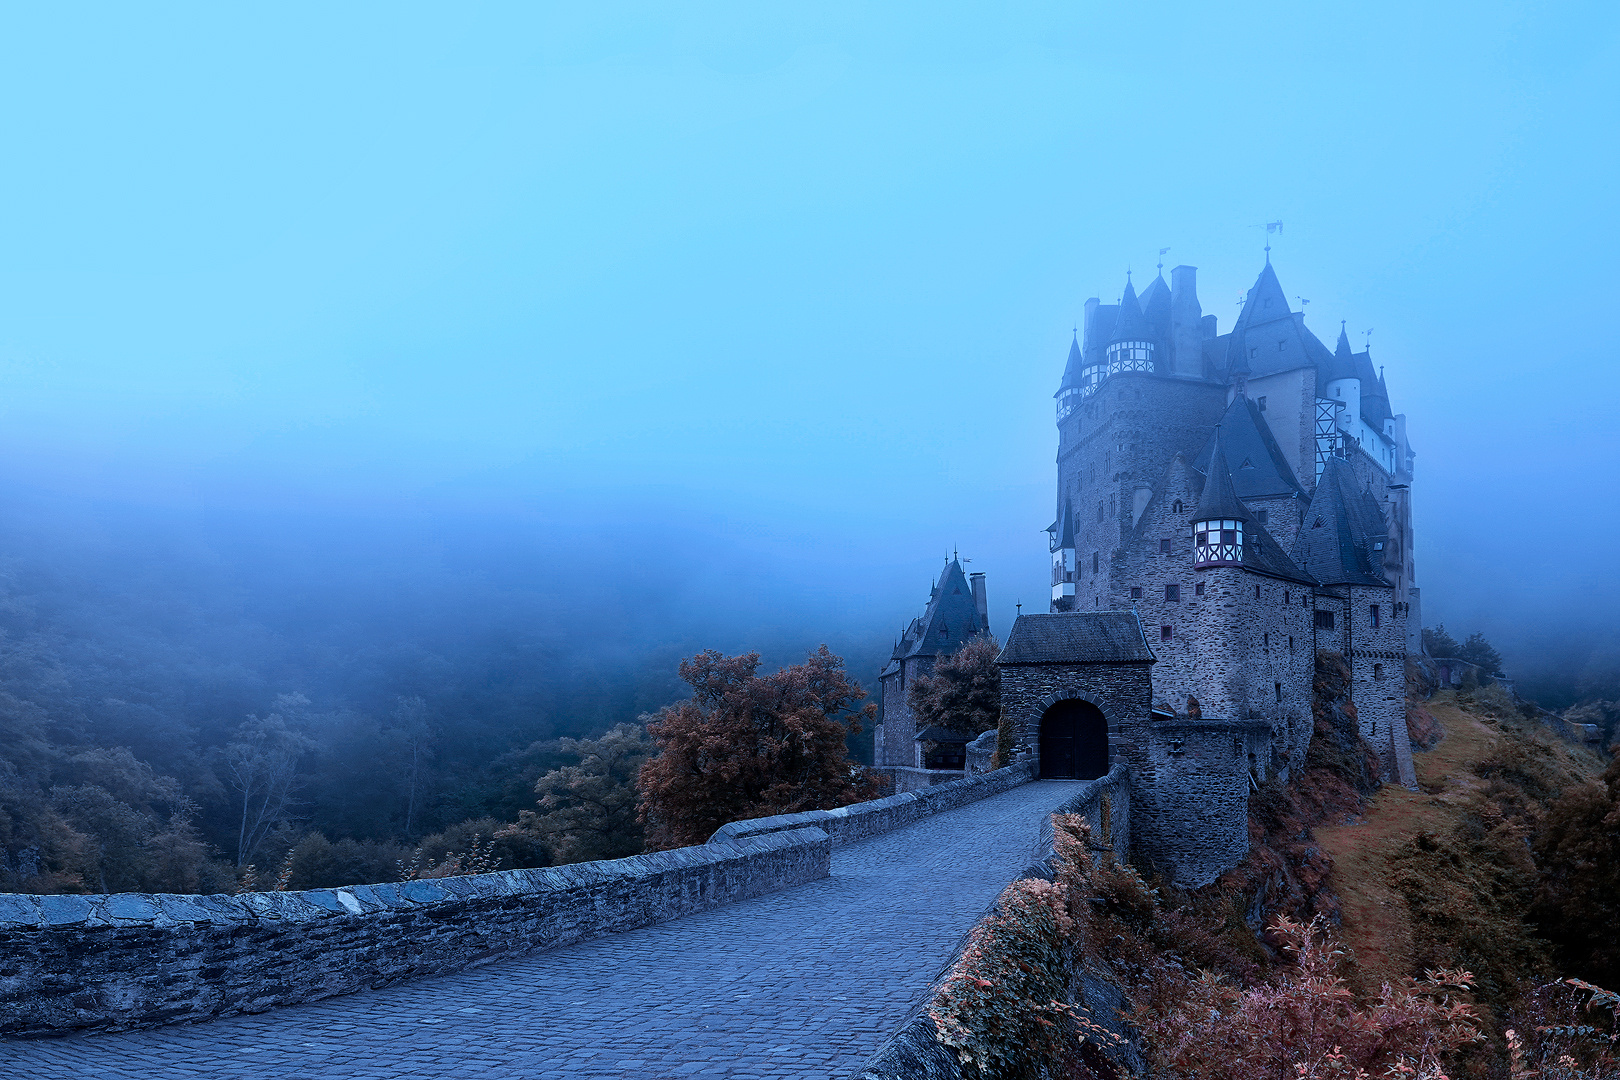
x: 1186, y: 331
x: 980, y: 602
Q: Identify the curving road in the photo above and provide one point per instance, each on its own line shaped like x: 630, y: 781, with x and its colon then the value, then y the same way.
x: 802, y: 983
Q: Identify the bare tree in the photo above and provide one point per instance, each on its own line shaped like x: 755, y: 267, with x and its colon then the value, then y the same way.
x: 416, y: 750
x: 261, y: 767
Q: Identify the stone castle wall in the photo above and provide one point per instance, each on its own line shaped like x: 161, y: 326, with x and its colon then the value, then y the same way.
x: 130, y: 960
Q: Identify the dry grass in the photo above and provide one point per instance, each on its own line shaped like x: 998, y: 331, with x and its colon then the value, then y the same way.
x: 1378, y: 922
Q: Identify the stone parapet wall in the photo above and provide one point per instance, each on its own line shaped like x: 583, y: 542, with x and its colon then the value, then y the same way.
x: 133, y: 960
x: 861, y: 820
x: 1105, y: 803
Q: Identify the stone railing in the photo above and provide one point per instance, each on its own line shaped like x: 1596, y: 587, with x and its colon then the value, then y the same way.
x: 914, y: 1051
x: 862, y: 820
x: 1105, y: 803
x: 139, y: 960
x: 130, y: 960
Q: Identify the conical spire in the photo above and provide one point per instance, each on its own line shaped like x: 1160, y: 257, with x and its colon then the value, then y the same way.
x: 1343, y: 364
x: 1066, y: 526
x: 1073, y: 366
x: 1219, y: 499
x: 1266, y: 302
x: 1130, y: 325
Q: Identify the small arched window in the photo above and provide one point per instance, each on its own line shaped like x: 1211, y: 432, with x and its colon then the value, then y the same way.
x: 1176, y: 507
x: 1378, y: 671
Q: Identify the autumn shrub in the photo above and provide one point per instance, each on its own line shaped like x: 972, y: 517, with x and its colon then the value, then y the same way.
x: 1305, y: 1023
x: 749, y: 745
x: 963, y: 692
x: 1003, y: 1008
x: 1577, y: 900
x: 1565, y: 1030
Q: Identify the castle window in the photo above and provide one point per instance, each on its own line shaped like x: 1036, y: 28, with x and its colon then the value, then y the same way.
x: 1172, y: 593
x: 1260, y: 516
x: 1278, y: 687
x: 1281, y: 345
x: 1324, y: 620
x: 1136, y: 592
x: 1164, y: 547
x: 1378, y: 671
x: 1265, y: 640
x: 1290, y: 642
x: 1164, y: 633
x: 1257, y: 592
x: 1176, y: 507
x: 1199, y: 589
x: 943, y: 632
x: 1261, y: 402
x: 1372, y: 615
x: 1254, y: 353
x: 1093, y: 562
x: 1285, y: 596
x: 1100, y: 513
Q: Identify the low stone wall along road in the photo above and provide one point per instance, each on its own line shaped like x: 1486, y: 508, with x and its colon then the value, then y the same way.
x: 803, y: 983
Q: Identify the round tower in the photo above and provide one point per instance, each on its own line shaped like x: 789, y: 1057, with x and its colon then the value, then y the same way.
x: 1131, y: 348
x: 1343, y: 384
x: 1217, y: 526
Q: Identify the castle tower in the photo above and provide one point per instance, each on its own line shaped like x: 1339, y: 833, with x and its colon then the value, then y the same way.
x: 1218, y: 522
x: 957, y: 611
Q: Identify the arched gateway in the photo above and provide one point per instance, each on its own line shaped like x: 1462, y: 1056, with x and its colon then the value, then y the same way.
x: 1073, y: 741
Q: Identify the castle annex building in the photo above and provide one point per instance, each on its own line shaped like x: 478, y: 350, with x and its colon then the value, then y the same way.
x: 1227, y: 504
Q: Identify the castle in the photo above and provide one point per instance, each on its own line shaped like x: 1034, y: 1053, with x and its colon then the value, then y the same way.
x: 1227, y: 504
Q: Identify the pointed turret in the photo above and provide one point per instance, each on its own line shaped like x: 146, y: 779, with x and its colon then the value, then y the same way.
x: 1130, y: 324
x: 1218, y: 522
x: 1063, y: 566
x: 1072, y: 389
x: 1341, y: 366
x: 1155, y: 301
x: 1132, y: 345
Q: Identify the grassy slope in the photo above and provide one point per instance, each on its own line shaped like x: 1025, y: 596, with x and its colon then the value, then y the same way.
x: 1368, y: 855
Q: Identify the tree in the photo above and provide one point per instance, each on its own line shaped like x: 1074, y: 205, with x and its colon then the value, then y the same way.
x: 588, y: 811
x: 261, y: 767
x: 416, y: 750
x: 746, y: 745
x: 1476, y: 650
x: 963, y: 693
x: 1436, y: 642
x: 1577, y: 905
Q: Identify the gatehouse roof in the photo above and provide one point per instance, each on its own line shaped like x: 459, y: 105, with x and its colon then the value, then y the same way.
x: 1077, y: 637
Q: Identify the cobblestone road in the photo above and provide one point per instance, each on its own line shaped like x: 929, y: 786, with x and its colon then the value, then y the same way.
x: 801, y: 983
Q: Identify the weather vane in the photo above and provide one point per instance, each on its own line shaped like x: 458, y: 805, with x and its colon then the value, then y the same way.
x: 1368, y: 344
x: 1162, y: 253
x: 1270, y: 227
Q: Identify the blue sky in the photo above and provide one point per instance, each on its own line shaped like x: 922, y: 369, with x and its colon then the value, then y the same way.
x: 776, y: 296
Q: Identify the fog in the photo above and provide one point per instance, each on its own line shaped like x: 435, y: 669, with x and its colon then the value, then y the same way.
x: 503, y: 357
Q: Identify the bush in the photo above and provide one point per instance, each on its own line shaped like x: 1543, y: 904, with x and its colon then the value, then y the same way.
x: 1577, y: 905
x: 476, y: 846
x: 317, y: 863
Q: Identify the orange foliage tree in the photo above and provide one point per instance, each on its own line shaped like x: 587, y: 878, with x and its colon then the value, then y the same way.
x: 746, y: 745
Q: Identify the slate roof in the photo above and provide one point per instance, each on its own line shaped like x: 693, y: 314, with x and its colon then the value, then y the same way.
x: 1266, y: 303
x: 1340, y: 540
x: 1155, y: 302
x: 1341, y: 365
x: 1071, y: 367
x: 1218, y: 499
x: 951, y: 619
x: 1077, y: 637
x: 1099, y: 331
x: 1264, y: 555
x: 940, y: 734
x: 1268, y: 337
x: 1258, y: 467
x: 1130, y: 325
x: 1066, y: 526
